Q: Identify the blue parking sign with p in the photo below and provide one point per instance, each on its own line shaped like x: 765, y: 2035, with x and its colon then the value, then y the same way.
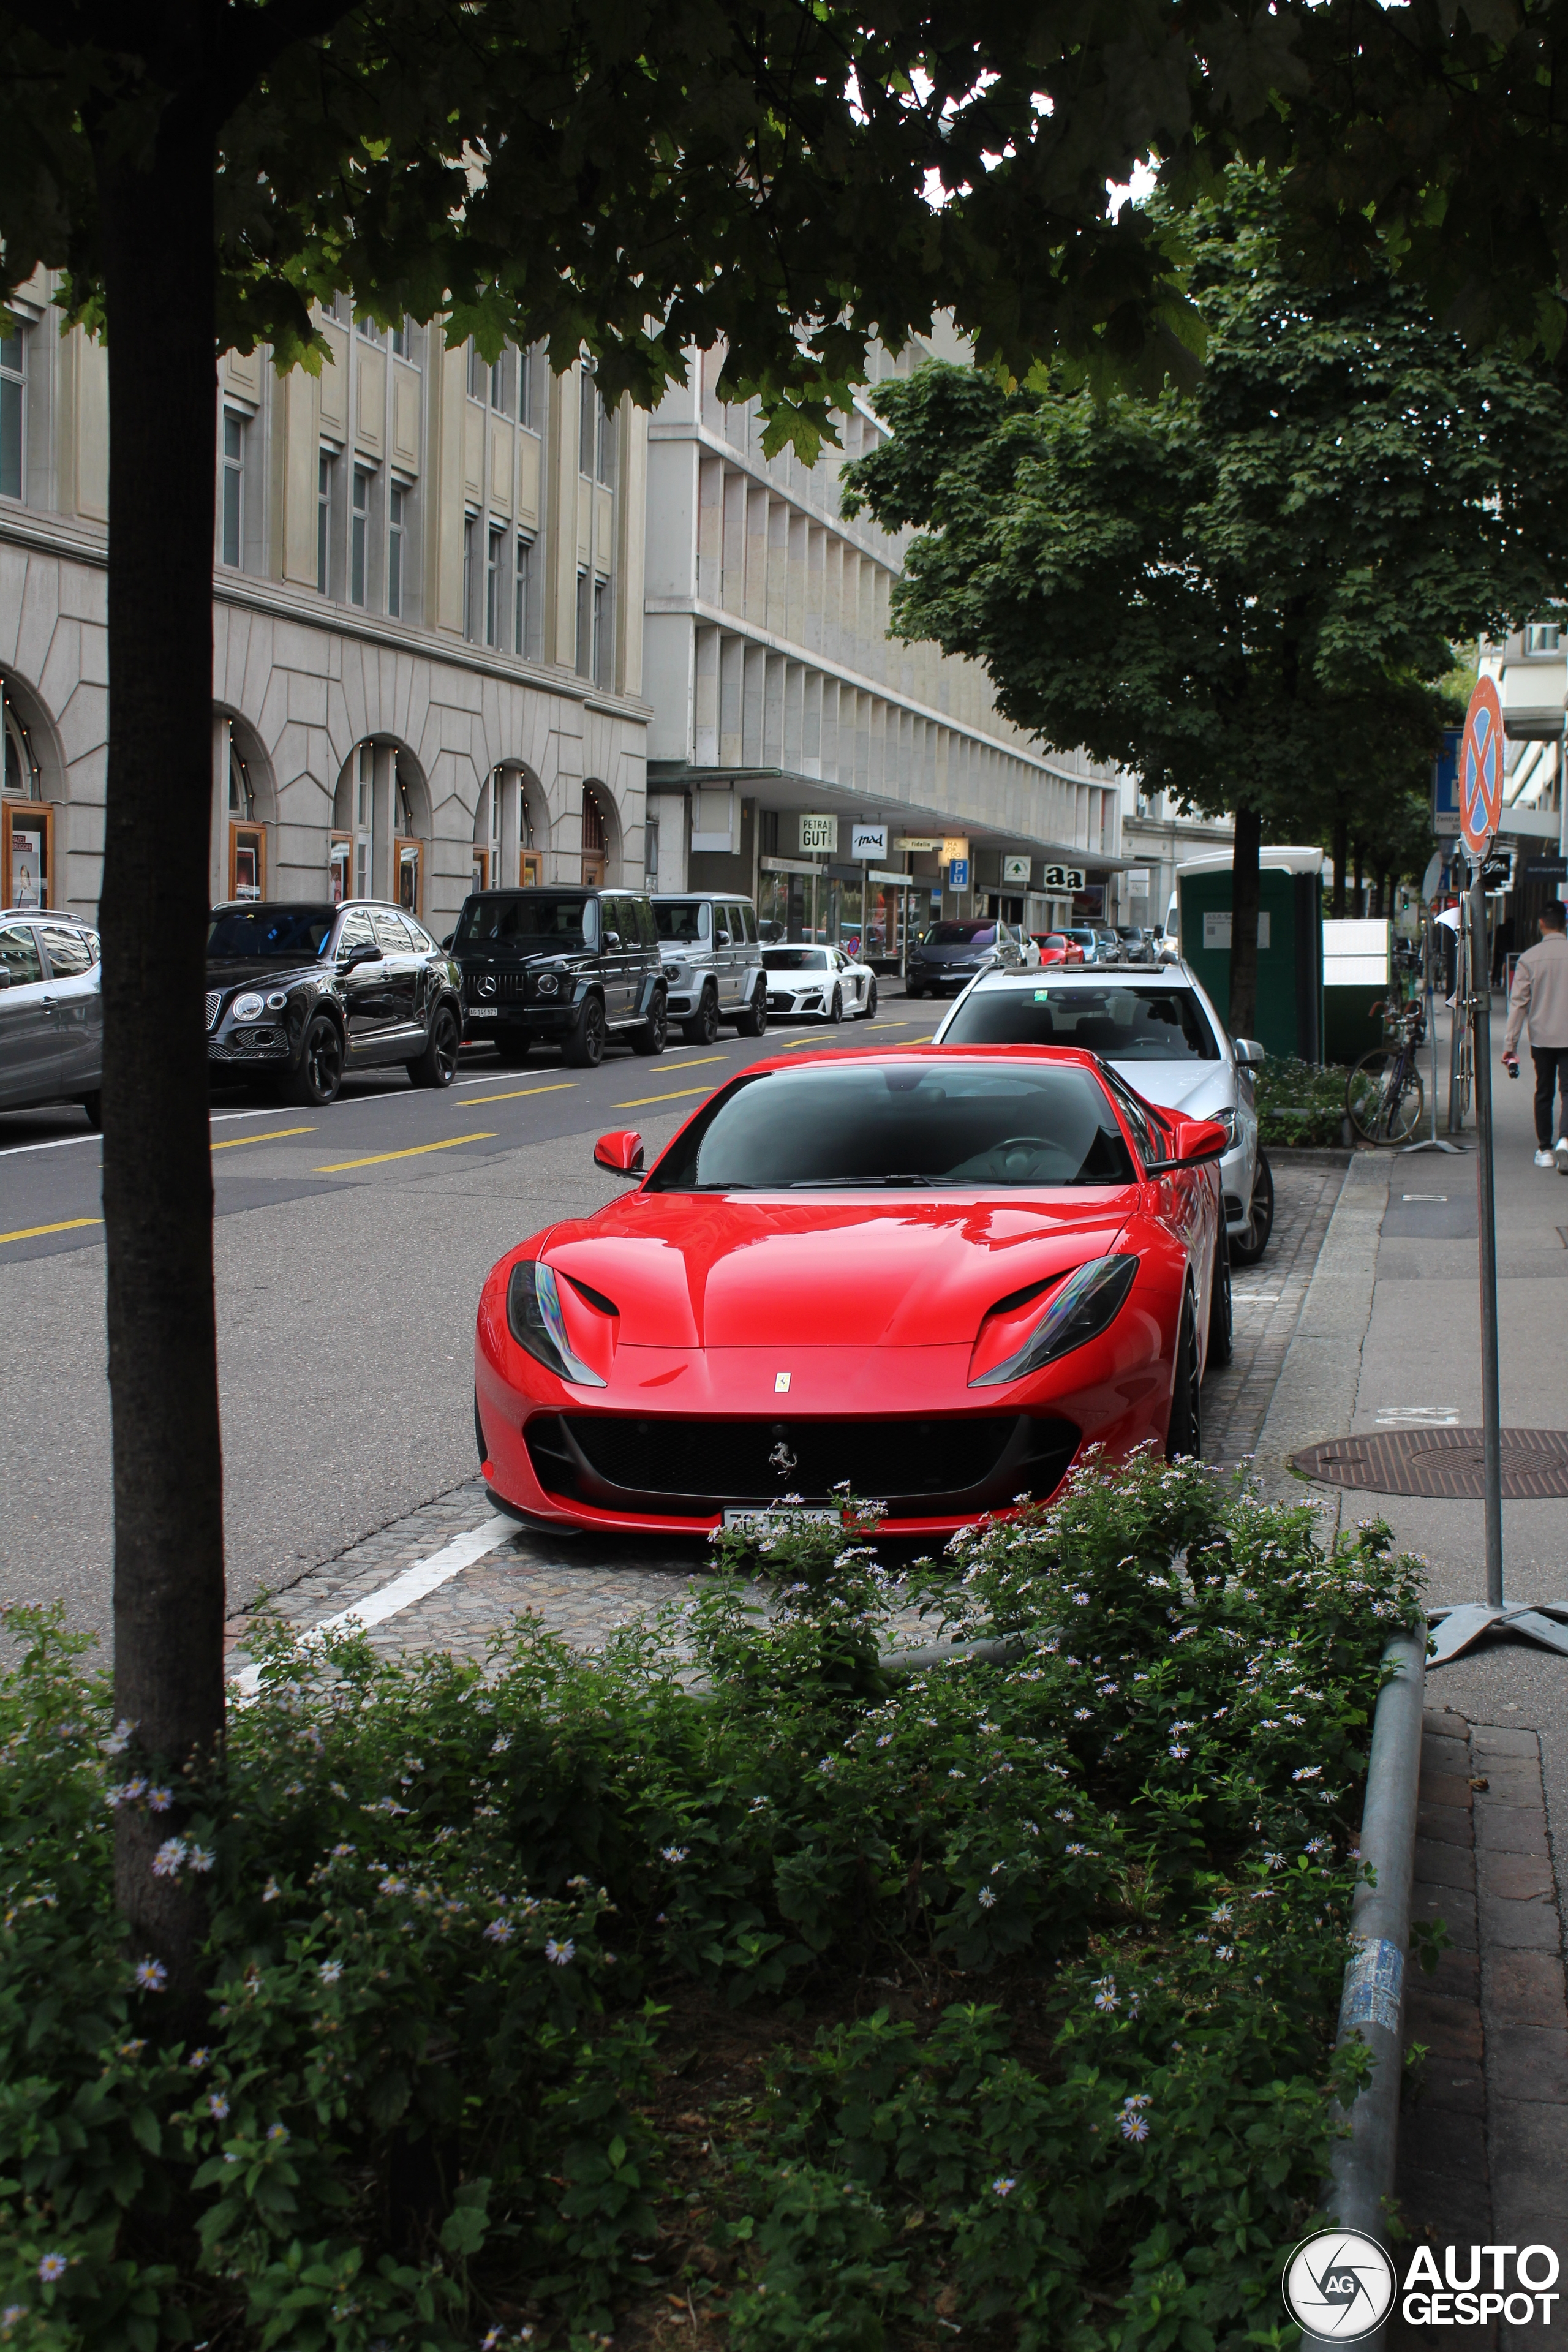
x: 958, y: 874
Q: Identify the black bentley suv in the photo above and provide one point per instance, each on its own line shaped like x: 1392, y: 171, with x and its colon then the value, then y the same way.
x: 562, y: 967
x: 302, y: 993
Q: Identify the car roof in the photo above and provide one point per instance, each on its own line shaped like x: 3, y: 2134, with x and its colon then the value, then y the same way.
x: 674, y: 897
x: 47, y: 915
x: 1086, y: 975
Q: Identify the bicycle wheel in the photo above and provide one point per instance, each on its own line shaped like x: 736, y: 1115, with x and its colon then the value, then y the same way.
x: 1384, y: 1096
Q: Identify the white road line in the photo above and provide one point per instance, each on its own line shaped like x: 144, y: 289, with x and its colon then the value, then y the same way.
x: 13, y: 1151
x: 403, y: 1591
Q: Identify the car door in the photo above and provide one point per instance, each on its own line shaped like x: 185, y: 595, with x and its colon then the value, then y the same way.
x: 364, y: 989
x: 29, y: 1033
x: 622, y: 954
x: 400, y: 972
x: 751, y: 956
x: 77, y: 975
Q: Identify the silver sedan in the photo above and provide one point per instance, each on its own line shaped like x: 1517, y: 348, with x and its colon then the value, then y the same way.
x: 51, y: 1011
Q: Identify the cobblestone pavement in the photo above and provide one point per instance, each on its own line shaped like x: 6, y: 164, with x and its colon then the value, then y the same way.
x: 583, y: 1587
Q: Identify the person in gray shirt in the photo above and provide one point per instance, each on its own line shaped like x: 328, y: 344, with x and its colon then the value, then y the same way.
x: 1541, y: 998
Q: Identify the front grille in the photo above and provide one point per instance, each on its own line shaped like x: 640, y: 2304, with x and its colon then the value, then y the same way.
x: 214, y: 998
x: 920, y: 1466
x: 500, y: 988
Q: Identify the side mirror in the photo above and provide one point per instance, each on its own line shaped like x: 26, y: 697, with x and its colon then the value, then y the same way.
x: 1193, y: 1141
x: 723, y: 938
x: 449, y: 938
x: 619, y: 1153
x: 366, y: 952
x: 1249, y: 1054
x: 612, y: 938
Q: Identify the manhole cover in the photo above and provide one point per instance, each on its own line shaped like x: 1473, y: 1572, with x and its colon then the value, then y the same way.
x: 1440, y: 1462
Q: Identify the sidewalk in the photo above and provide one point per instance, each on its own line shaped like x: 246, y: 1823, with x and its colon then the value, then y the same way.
x: 1389, y: 1338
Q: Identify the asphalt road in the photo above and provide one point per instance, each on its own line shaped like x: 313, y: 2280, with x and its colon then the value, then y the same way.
x: 350, y: 1245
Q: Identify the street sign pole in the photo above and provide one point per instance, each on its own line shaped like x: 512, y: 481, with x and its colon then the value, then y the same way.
x: 1491, y: 1407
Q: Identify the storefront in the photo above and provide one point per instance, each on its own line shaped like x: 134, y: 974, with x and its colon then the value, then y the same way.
x: 27, y: 819
x: 860, y: 908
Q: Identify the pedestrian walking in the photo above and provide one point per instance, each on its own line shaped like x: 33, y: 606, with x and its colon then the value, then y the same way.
x: 1541, y: 998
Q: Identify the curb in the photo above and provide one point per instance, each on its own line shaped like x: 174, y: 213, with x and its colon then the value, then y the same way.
x: 1361, y: 2178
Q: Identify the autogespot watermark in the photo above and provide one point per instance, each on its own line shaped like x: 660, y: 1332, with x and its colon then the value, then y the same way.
x: 1340, y: 2286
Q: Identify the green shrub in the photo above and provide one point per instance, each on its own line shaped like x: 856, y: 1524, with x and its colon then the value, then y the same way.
x: 1300, y: 1102
x: 449, y: 1913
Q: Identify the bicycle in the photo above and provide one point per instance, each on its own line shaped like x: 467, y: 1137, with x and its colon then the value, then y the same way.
x: 1383, y: 1095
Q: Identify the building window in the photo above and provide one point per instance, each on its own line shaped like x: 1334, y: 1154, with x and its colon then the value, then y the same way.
x: 525, y: 388
x: 13, y: 404
x: 584, y: 624
x: 359, y: 536
x: 1542, y: 638
x: 470, y: 564
x: 396, y: 535
x: 495, y: 587
x: 588, y: 416
x: 522, y: 595
x: 599, y: 666
x: 22, y: 774
x: 500, y: 384
x: 604, y: 454
x: 478, y: 374
x: 233, y: 501
x: 323, y: 517
x: 400, y: 339
x: 650, y: 852
x: 371, y: 332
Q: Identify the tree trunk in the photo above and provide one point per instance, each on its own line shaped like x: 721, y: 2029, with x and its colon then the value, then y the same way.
x: 1242, y: 1015
x: 1359, y: 892
x: 1341, y: 853
x: 158, y: 239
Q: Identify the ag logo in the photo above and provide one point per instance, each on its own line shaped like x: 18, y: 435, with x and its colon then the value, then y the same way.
x: 1339, y: 2286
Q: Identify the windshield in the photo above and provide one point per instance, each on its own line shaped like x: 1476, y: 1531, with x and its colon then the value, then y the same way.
x: 536, y: 917
x: 962, y: 935
x: 683, y: 919
x: 289, y: 934
x: 1156, y: 1024
x: 914, y: 1124
x: 796, y: 959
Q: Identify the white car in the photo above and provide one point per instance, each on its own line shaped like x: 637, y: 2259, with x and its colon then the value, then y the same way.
x: 818, y: 984
x: 1159, y: 1028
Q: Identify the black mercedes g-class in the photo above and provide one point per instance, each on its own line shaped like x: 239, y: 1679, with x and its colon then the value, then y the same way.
x: 561, y: 967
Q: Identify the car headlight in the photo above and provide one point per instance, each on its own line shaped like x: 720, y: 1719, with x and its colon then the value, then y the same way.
x: 1226, y: 1118
x: 247, y: 1008
x: 549, y: 983
x: 277, y: 1000
x: 534, y: 1318
x: 1086, y: 1303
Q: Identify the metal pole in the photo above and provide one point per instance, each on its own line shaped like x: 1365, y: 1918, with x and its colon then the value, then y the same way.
x: 1456, y: 1027
x: 1433, y: 1142
x: 1480, y: 1006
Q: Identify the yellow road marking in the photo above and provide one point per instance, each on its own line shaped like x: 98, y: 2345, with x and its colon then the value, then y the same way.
x: 31, y: 1233
x: 672, y: 1094
x: 413, y: 1151
x: 796, y: 1042
x: 560, y: 1086
x: 695, y: 1061
x: 273, y: 1135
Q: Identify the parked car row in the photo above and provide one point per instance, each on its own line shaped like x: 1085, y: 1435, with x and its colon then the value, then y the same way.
x: 51, y: 1011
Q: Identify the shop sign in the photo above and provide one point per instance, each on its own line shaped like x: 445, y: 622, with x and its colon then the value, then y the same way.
x: 958, y: 872
x: 917, y: 844
x: 1063, y: 877
x: 867, y: 841
x: 27, y: 874
x: 1015, y: 869
x: 956, y: 845
x: 1137, y: 880
x: 820, y: 833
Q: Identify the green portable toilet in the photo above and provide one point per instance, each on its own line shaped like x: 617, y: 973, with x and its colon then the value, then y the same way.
x: 1289, y: 942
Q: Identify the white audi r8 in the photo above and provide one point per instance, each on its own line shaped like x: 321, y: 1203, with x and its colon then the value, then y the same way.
x: 818, y: 984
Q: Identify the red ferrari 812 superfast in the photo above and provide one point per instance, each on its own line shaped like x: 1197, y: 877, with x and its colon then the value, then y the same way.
x: 937, y: 1274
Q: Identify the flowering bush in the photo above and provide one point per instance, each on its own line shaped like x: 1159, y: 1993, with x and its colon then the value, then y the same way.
x: 1043, y: 1959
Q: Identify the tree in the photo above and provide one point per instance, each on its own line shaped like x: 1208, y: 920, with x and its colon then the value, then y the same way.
x: 637, y: 176
x: 1249, y: 594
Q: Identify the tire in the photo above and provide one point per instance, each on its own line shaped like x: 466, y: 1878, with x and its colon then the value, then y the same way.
x: 871, y: 1011
x: 513, y: 1051
x: 650, y: 1036
x: 437, y: 1064
x: 1185, y: 1434
x: 1221, y: 1321
x: 836, y: 1009
x: 583, y: 1046
x: 1248, y: 1248
x: 93, y: 1106
x: 316, y: 1077
x: 702, y: 1029
x: 754, y: 1021
x: 1373, y: 1116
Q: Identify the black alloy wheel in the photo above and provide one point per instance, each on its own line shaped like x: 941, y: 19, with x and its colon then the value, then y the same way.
x: 1185, y: 1434
x: 314, y: 1080
x: 870, y: 1014
x: 1247, y: 1247
x: 1221, y: 1315
x: 702, y: 1029
x: 584, y: 1044
x: 437, y: 1064
x: 836, y: 1009
x: 754, y: 1021
x: 650, y: 1035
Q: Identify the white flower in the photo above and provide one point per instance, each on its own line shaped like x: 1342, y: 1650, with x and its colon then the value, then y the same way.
x: 987, y: 1898
x: 1181, y: 1753
x: 1134, y: 2126
x: 159, y: 1800
x: 198, y: 2059
x: 675, y: 1853
x: 392, y: 1887
x: 167, y: 1860
x: 1221, y: 1918
x: 119, y: 1740
x: 560, y: 1955
x: 1062, y: 1814
x: 271, y: 1891
x: 330, y: 1970
x: 200, y: 1857
x: 955, y: 1774
x: 1225, y: 1951
x: 1106, y: 1999
x: 217, y: 2105
x: 52, y: 2267
x: 277, y: 2133
x: 499, y: 1931
x: 1077, y: 1849
x: 151, y: 1976
x: 1136, y: 2099
x: 1002, y: 2186
x: 1307, y: 1772
x: 1083, y: 1714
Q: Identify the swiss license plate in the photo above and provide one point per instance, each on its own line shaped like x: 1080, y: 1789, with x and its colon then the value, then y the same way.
x: 481, y: 1012
x: 762, y: 1520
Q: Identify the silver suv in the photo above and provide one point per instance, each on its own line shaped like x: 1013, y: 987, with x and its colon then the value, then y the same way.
x: 51, y: 1011
x: 713, y: 963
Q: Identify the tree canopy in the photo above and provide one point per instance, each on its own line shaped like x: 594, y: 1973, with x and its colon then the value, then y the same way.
x: 1249, y: 595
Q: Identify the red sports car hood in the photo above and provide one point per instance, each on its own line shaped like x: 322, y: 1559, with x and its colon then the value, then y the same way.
x: 688, y: 1270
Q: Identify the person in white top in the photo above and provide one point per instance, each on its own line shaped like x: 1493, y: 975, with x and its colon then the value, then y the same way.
x: 1541, y: 998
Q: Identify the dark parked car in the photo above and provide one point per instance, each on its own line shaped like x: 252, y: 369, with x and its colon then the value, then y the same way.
x: 51, y: 1011
x: 562, y: 967
x: 949, y: 956
x: 301, y: 993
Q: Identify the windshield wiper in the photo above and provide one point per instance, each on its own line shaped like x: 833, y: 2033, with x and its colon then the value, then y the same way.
x: 853, y: 1184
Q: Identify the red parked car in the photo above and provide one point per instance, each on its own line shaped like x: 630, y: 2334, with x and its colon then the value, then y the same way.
x: 1057, y: 948
x: 937, y: 1275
